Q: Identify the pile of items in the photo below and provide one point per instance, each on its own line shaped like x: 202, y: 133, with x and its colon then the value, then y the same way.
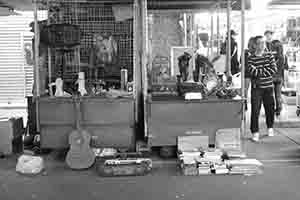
x: 216, y: 161
x: 111, y: 163
x: 205, y: 161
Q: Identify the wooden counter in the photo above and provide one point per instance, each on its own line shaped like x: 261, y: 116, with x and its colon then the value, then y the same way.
x: 111, y: 121
x: 169, y: 118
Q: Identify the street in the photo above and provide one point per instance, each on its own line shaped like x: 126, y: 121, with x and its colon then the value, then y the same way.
x: 280, y: 156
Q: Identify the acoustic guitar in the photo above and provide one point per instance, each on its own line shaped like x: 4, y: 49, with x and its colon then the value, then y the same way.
x: 80, y: 155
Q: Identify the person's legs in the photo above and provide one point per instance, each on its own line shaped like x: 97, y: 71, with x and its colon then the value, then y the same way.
x: 247, y: 84
x: 256, y: 100
x: 278, y: 101
x: 268, y: 101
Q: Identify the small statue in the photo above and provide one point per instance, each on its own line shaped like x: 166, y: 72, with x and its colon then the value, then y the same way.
x: 59, y: 92
x: 81, y: 84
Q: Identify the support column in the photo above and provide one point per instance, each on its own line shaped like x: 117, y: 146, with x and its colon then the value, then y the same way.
x: 185, y: 29
x: 218, y: 29
x: 211, y: 32
x: 36, y: 64
x: 49, y: 56
x: 228, y: 54
x: 243, y: 130
x: 140, y: 61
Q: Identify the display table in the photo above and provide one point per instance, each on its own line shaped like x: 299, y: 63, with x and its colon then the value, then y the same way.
x: 109, y: 121
x: 172, y: 117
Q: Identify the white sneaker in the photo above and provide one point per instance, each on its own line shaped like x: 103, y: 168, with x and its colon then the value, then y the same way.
x: 270, y: 132
x: 255, y: 137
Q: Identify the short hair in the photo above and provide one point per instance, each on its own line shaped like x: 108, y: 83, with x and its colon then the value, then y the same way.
x: 277, y: 46
x: 258, y: 37
x: 251, y: 43
x: 268, y: 32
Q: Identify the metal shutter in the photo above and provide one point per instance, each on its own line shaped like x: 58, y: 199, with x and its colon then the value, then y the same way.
x: 28, y: 68
x: 12, y: 73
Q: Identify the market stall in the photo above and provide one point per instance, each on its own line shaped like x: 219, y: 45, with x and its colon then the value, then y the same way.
x: 85, y: 55
x: 185, y: 95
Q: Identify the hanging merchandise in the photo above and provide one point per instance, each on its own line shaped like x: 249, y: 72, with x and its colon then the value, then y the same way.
x: 62, y: 35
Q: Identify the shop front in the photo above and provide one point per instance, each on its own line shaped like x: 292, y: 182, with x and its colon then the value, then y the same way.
x: 87, y: 51
x: 84, y: 72
x: 188, y: 92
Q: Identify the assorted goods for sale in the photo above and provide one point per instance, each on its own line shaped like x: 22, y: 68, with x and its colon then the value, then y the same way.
x: 203, y: 83
x: 196, y: 158
x: 216, y: 161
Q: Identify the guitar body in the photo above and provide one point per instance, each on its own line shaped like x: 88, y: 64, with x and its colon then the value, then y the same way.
x: 80, y: 155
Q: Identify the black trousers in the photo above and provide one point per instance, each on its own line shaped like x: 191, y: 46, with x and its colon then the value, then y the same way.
x: 277, y: 93
x: 266, y: 97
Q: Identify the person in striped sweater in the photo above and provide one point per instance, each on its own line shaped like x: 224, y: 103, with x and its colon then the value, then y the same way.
x: 261, y: 67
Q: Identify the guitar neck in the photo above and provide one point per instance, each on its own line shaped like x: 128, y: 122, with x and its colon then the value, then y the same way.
x: 78, y: 113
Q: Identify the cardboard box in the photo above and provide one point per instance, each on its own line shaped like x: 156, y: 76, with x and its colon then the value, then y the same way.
x: 191, y: 143
x: 11, y: 131
x: 228, y: 139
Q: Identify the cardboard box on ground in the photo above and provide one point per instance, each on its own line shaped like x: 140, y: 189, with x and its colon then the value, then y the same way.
x: 11, y: 131
x: 196, y: 158
x: 228, y: 139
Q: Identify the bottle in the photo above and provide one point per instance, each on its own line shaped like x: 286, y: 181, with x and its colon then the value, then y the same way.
x: 124, y: 79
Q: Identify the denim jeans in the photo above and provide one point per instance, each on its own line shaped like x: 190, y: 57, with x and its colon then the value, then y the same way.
x: 266, y: 97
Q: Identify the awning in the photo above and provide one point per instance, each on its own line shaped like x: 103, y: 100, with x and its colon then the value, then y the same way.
x: 284, y: 4
x: 195, y: 4
x: 152, y: 4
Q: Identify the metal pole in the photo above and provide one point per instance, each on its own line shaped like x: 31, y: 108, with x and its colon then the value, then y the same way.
x: 194, y: 42
x: 185, y: 28
x: 145, y: 66
x: 243, y: 130
x: 36, y: 63
x: 49, y: 57
x: 211, y: 33
x: 218, y: 29
x: 228, y: 39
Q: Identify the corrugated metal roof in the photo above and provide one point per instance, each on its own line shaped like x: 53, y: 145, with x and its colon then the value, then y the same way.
x: 284, y: 2
x: 152, y: 4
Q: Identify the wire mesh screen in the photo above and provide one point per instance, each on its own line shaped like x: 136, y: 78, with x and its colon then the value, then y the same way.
x: 93, y: 18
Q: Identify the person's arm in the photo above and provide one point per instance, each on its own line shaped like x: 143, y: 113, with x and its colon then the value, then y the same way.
x: 252, y: 69
x: 270, y: 68
x: 263, y: 70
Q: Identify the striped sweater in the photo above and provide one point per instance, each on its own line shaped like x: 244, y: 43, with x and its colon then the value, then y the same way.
x: 261, y: 70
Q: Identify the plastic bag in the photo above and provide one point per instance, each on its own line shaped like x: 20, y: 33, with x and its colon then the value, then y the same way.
x: 30, y: 164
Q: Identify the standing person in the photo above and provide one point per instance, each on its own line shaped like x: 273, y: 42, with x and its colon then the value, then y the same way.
x: 234, y: 52
x: 248, y: 52
x: 261, y: 67
x: 269, y: 38
x: 278, y: 77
